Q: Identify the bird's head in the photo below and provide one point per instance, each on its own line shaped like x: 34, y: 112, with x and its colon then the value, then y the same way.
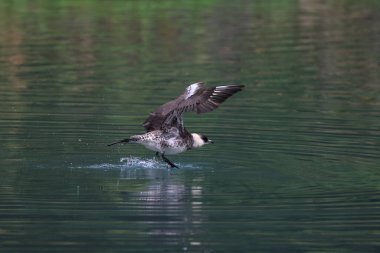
x: 199, y: 140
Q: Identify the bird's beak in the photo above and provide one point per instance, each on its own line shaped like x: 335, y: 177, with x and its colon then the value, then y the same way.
x: 210, y: 141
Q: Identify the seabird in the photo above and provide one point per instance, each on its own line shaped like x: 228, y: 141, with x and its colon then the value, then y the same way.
x: 165, y: 132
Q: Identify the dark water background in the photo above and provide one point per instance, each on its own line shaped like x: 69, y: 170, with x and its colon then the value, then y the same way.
x: 295, y: 166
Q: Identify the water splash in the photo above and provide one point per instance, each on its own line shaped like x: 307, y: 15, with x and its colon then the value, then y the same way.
x: 132, y: 162
x: 127, y: 163
x: 154, y: 163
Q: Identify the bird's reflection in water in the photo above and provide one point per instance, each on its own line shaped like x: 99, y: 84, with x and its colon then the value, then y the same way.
x: 168, y: 207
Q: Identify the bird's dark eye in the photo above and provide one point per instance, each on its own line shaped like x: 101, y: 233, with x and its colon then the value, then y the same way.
x: 204, y: 138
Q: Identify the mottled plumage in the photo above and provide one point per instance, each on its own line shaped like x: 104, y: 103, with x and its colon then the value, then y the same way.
x: 165, y: 132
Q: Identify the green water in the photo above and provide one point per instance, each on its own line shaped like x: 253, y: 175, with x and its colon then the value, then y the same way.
x: 295, y: 164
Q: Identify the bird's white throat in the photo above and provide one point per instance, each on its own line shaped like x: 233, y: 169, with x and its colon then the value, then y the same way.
x: 197, y: 141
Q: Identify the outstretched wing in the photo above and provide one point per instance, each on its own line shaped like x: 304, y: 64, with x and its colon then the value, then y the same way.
x: 197, y: 97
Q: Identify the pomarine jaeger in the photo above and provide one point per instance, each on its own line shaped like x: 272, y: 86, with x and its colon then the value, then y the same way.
x: 165, y: 132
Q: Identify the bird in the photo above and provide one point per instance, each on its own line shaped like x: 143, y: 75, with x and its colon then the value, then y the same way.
x: 165, y: 131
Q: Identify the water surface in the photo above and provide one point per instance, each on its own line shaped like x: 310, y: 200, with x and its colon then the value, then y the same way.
x: 295, y: 165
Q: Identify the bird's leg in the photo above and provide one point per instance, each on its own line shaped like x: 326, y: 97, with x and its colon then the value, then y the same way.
x: 157, y: 154
x: 172, y: 165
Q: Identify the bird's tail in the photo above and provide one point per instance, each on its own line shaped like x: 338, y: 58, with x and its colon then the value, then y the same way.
x: 132, y: 139
x: 120, y: 142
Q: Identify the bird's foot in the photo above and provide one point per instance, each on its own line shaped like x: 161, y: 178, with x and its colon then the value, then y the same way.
x: 172, y: 165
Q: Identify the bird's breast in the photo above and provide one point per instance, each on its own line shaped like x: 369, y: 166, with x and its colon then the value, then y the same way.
x: 174, y: 146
